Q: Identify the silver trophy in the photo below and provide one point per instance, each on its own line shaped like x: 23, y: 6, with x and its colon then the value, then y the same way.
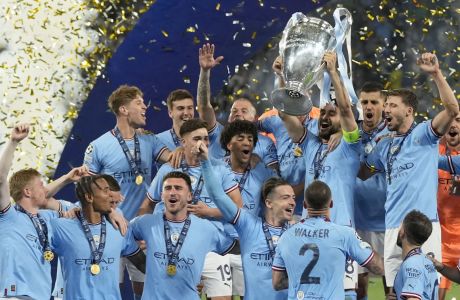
x: 302, y: 47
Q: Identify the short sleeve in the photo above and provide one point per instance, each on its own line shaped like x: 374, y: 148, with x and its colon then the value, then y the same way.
x: 228, y: 179
x: 135, y: 228
x: 53, y: 236
x: 91, y: 159
x: 154, y: 191
x: 426, y: 132
x: 158, y: 147
x: 357, y: 249
x: 8, y: 213
x: 270, y: 124
x: 225, y: 242
x: 308, y: 140
x: 243, y: 222
x: 278, y: 262
x: 270, y: 156
x: 413, y: 278
x: 130, y: 246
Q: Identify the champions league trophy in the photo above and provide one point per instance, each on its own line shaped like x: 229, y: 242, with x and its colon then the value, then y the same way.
x: 302, y: 47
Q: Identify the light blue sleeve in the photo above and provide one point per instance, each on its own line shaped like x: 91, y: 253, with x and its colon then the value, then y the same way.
x: 135, y: 228
x: 278, y: 262
x: 91, y: 159
x: 413, y: 280
x: 130, y: 246
x: 158, y: 146
x: 443, y: 163
x: 359, y: 250
x: 154, y: 191
x: 222, y: 201
x: 267, y: 124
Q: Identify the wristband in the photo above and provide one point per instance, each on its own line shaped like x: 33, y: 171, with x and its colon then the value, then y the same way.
x: 351, y: 136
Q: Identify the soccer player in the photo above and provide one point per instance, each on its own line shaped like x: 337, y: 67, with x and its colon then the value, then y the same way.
x: 337, y: 167
x: 417, y: 277
x: 448, y: 205
x: 311, y: 255
x: 180, y: 109
x: 258, y: 235
x: 410, y: 157
x: 128, y: 157
x: 370, y: 195
x: 24, y: 227
x: 177, y: 242
x: 242, y: 109
x: 89, y: 249
x: 216, y: 275
x: 239, y: 138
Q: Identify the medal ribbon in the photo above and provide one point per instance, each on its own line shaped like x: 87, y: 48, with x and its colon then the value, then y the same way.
x: 40, y: 227
x: 173, y: 251
x: 391, y: 157
x: 199, y: 186
x: 96, y: 252
x: 175, y: 138
x: 268, y: 238
x: 318, y: 162
x: 414, y: 251
x: 134, y: 162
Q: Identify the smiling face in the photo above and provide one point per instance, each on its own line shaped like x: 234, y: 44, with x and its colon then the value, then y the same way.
x: 372, y: 104
x: 181, y: 111
x: 134, y: 111
x: 329, y: 121
x: 397, y: 113
x: 241, y: 146
x: 102, y: 200
x: 281, y: 203
x: 242, y: 109
x: 453, y: 134
x: 176, y: 195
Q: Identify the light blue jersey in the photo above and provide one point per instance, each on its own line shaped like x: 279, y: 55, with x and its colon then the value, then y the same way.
x: 251, y: 191
x: 417, y: 278
x: 314, y: 254
x: 226, y: 181
x: 201, y: 239
x: 370, y: 195
x: 338, y: 169
x: 105, y: 155
x: 414, y: 173
x: 255, y: 253
x: 290, y: 156
x: 23, y: 270
x: 68, y: 240
x: 167, y: 139
x: 58, y: 290
x: 265, y: 148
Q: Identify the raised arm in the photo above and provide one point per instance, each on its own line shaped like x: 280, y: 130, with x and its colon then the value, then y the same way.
x: 347, y: 119
x: 19, y: 132
x: 441, y: 122
x: 226, y: 206
x: 293, y: 126
x: 207, y: 62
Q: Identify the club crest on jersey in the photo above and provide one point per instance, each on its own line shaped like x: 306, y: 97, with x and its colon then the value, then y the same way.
x: 368, y: 148
x: 300, y: 295
x: 175, y: 237
x: 394, y: 149
x: 89, y: 149
x: 193, y: 179
x: 97, y: 239
x: 275, y: 239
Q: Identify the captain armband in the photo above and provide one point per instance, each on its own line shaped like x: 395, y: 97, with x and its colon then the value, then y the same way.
x: 351, y: 136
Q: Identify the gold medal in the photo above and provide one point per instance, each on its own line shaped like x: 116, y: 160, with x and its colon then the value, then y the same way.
x: 171, y: 270
x: 298, y: 151
x: 95, y: 269
x: 48, y: 255
x: 139, y: 179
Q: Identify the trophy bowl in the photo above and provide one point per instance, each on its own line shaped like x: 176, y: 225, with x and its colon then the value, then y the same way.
x: 302, y: 47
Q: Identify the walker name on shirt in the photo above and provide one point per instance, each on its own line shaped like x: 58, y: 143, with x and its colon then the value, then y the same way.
x: 316, y: 233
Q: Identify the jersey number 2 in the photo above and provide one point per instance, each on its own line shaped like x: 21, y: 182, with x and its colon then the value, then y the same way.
x: 306, y: 278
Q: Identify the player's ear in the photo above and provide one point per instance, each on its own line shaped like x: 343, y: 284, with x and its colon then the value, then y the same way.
x: 268, y: 203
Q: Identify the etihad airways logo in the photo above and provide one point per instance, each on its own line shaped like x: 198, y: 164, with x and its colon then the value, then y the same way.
x: 187, y: 261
